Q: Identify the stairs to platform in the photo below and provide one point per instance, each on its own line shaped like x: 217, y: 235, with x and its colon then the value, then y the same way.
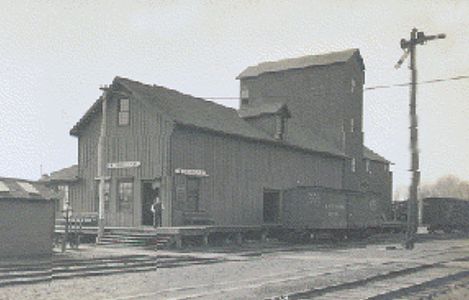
x: 137, y: 238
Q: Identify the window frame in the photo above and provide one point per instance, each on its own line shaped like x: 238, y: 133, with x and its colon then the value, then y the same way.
x: 125, y: 204
x: 280, y: 126
x: 123, y: 111
x: 244, y: 93
x: 343, y: 135
x: 368, y: 166
x: 193, y: 192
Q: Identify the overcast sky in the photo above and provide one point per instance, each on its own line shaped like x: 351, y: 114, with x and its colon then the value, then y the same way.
x: 54, y: 55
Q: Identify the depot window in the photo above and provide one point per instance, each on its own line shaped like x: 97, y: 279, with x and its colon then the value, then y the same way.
x: 244, y: 96
x: 125, y: 193
x: 124, y: 112
x: 193, y: 193
x: 353, y: 84
x: 367, y: 166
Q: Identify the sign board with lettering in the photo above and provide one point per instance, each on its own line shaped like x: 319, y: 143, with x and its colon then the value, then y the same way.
x: 123, y: 165
x: 191, y: 172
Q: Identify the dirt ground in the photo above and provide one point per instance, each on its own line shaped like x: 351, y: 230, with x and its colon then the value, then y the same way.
x: 254, y: 271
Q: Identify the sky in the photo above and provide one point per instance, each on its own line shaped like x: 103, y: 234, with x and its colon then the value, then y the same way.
x: 54, y: 56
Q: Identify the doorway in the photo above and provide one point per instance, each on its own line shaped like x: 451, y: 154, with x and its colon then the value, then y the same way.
x: 271, y: 206
x: 149, y: 193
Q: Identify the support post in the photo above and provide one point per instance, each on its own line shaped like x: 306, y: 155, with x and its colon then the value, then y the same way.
x: 409, y: 47
x: 65, y: 236
x: 100, y: 165
x: 414, y: 167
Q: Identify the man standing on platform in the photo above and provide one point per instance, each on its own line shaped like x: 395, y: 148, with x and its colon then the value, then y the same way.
x: 157, y: 209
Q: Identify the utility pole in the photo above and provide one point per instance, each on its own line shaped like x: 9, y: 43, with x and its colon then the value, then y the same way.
x: 409, y: 47
x: 101, y: 142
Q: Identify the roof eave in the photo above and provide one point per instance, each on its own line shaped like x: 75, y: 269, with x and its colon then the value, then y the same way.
x: 241, y: 76
x: 95, y: 108
x: 264, y: 140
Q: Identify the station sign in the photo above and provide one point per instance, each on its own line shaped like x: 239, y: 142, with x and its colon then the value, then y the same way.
x: 123, y: 165
x: 191, y: 172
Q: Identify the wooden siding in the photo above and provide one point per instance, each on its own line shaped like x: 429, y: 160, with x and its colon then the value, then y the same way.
x: 26, y: 227
x: 144, y: 140
x: 314, y: 96
x: 240, y: 170
x: 321, y: 98
x: 379, y: 181
x: 266, y: 123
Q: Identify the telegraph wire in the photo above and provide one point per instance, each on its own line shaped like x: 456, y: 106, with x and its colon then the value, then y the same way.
x: 376, y: 87
x: 418, y: 83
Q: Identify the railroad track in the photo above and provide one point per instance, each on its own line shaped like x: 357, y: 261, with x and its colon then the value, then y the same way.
x: 395, y: 284
x: 392, y: 285
x: 60, y: 269
x: 390, y: 280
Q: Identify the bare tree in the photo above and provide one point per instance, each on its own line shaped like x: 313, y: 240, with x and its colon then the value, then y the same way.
x: 447, y: 186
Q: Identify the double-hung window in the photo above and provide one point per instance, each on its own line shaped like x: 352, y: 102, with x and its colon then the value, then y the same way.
x: 124, y: 112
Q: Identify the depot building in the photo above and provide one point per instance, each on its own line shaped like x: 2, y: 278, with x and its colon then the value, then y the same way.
x: 299, y: 123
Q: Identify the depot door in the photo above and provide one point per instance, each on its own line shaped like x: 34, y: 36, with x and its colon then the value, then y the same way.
x: 271, y: 206
x: 149, y: 193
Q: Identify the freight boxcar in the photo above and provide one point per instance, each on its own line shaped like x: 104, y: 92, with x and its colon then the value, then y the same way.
x: 314, y: 208
x: 364, y: 211
x: 319, y: 210
x: 445, y: 214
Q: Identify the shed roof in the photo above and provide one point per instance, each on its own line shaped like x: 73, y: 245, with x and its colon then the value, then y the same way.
x: 301, y: 62
x: 371, y: 155
x: 196, y: 112
x: 263, y: 109
x: 68, y: 174
x: 13, y: 188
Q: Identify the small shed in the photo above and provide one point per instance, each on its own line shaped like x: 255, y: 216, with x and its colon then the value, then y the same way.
x: 61, y: 182
x: 26, y: 218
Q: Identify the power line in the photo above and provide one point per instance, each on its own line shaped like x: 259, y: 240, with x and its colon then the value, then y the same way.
x: 376, y: 87
x: 421, y: 82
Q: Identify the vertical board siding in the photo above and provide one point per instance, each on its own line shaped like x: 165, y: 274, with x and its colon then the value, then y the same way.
x: 26, y: 227
x: 240, y: 170
x: 143, y: 140
x: 319, y: 98
x: 379, y: 181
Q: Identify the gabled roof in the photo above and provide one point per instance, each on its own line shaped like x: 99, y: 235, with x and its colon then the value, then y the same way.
x: 69, y: 174
x: 263, y: 109
x: 196, y: 112
x: 192, y: 111
x: 13, y: 188
x: 371, y: 155
x: 301, y: 63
